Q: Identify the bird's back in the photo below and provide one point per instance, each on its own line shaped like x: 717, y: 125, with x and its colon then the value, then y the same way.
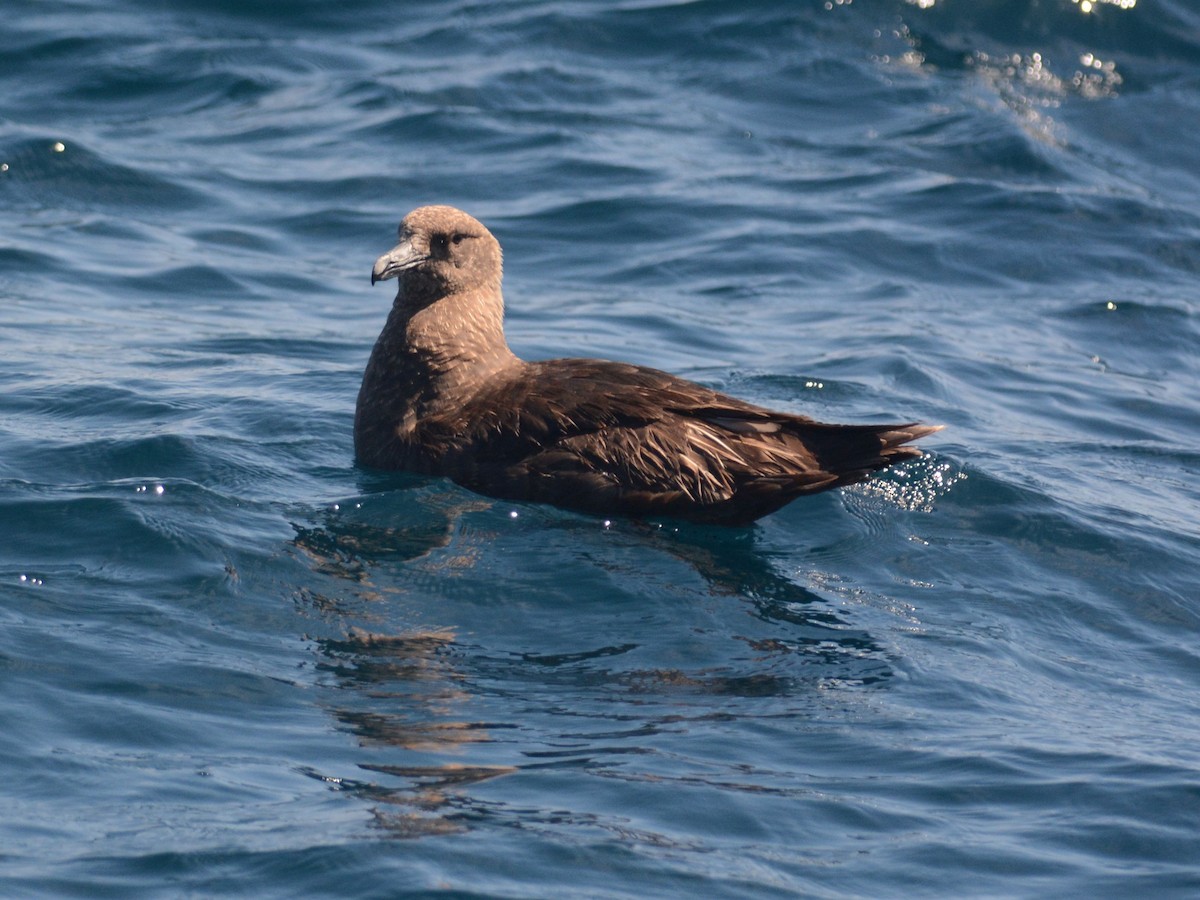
x: 611, y: 438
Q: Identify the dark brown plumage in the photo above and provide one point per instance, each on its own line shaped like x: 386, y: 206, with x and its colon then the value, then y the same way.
x: 443, y: 395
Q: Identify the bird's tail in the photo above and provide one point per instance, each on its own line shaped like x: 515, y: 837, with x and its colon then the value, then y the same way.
x: 851, y: 453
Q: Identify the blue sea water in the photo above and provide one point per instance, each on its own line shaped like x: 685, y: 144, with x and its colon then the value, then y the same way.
x: 234, y: 664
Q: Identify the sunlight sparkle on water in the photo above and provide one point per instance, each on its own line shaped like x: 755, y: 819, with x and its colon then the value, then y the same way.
x: 915, y: 486
x: 1087, y: 6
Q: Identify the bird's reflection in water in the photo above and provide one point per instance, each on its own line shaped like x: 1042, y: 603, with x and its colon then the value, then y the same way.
x: 440, y: 709
x: 400, y: 692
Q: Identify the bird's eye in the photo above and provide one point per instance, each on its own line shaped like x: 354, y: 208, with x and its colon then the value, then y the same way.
x: 438, y: 243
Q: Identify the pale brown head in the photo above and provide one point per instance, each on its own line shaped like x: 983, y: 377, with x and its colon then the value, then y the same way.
x: 441, y: 251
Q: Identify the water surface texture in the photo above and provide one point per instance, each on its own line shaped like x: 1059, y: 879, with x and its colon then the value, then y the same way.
x: 234, y: 664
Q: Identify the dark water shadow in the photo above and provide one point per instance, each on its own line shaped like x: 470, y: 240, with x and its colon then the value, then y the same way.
x: 442, y: 699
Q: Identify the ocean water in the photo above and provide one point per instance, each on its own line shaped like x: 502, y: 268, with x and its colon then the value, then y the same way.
x: 234, y: 664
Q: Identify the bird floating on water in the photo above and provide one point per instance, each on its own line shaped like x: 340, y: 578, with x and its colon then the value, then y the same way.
x: 443, y: 395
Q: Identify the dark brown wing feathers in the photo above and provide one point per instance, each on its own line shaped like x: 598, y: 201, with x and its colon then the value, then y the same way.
x: 610, y: 438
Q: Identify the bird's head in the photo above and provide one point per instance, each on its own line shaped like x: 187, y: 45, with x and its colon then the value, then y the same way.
x: 441, y: 251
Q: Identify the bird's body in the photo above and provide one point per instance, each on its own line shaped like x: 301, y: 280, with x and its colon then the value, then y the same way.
x: 444, y: 395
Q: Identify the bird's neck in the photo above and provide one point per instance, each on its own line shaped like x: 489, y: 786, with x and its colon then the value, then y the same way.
x: 444, y: 348
x: 458, y: 334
